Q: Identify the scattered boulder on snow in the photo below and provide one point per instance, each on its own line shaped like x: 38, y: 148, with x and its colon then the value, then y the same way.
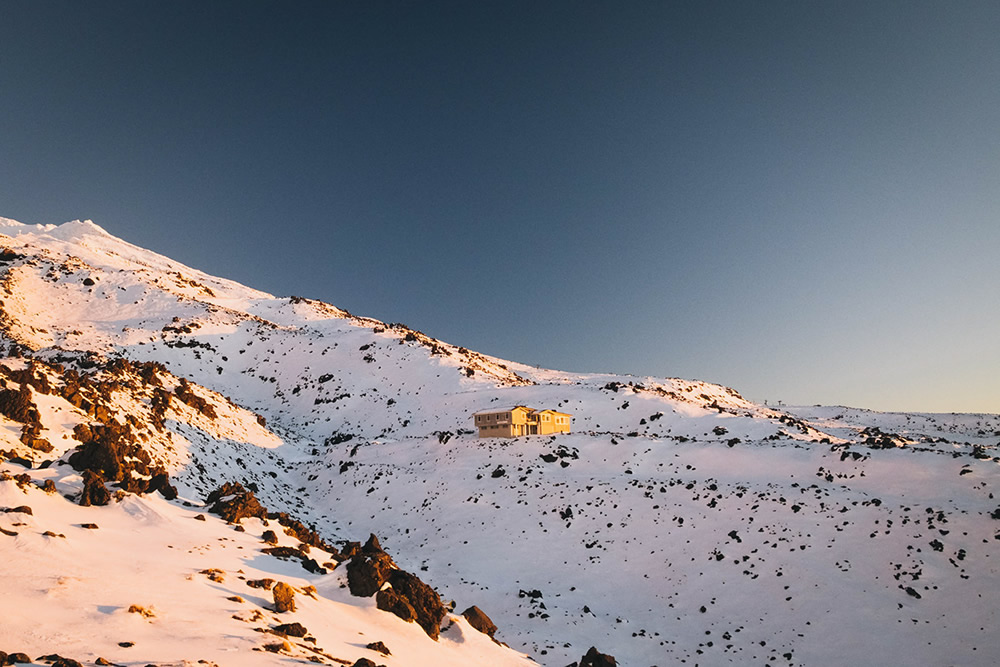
x: 595, y: 658
x: 232, y: 502
x: 364, y: 662
x: 291, y: 553
x: 284, y: 597
x: 379, y: 647
x: 480, y: 621
x: 57, y: 660
x: 290, y: 630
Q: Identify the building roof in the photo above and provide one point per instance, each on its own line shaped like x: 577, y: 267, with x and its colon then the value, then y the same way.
x: 503, y: 409
x: 556, y: 412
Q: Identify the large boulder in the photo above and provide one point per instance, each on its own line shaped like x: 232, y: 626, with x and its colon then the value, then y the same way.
x: 595, y: 658
x: 478, y: 619
x: 232, y: 502
x: 424, y: 600
x: 394, y: 603
x: 369, y: 569
x: 284, y: 597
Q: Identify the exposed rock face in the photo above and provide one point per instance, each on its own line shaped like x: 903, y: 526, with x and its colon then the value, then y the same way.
x: 595, y: 658
x: 394, y: 603
x: 112, y: 451
x: 369, y: 569
x: 94, y: 491
x: 423, y: 599
x: 232, y: 502
x: 284, y: 597
x: 480, y: 621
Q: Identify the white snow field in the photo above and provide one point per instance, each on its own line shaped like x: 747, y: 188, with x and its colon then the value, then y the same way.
x: 678, y: 524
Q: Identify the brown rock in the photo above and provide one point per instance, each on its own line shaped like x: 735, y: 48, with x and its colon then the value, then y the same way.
x: 284, y: 597
x: 379, y: 647
x: 594, y: 658
x: 291, y: 630
x: 261, y: 583
x: 94, y: 491
x: 389, y: 600
x: 233, y: 502
x: 369, y: 569
x: 364, y: 662
x: 480, y: 621
x: 424, y: 599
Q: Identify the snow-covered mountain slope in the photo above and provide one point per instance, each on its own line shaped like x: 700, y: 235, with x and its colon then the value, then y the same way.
x: 677, y: 524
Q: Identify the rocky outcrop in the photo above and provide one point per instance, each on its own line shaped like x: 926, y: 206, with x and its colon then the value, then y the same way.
x: 369, y: 569
x: 94, y: 491
x: 111, y: 450
x: 409, y: 592
x: 233, y: 502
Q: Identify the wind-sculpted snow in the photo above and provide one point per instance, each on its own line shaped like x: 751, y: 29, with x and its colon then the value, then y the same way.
x: 678, y: 523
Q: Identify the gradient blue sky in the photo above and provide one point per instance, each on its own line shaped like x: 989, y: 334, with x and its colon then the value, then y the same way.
x: 800, y: 200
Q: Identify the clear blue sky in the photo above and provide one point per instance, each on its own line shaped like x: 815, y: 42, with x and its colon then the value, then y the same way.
x: 800, y: 200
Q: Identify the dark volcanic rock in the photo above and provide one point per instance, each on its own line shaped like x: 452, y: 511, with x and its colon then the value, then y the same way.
x: 379, y: 647
x: 394, y: 603
x: 94, y: 491
x: 369, y: 569
x: 594, y: 658
x: 422, y: 598
x: 364, y: 662
x: 480, y: 621
x: 286, y: 553
x: 232, y: 502
x: 59, y: 661
x: 112, y: 451
x: 17, y: 659
x: 291, y: 630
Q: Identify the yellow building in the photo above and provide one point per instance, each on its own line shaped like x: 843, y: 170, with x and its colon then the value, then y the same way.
x: 520, y: 420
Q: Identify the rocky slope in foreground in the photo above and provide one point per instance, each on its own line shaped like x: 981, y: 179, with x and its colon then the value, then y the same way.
x: 677, y: 524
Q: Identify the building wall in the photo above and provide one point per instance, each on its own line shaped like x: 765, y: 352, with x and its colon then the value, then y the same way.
x: 521, y: 421
x: 557, y: 422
